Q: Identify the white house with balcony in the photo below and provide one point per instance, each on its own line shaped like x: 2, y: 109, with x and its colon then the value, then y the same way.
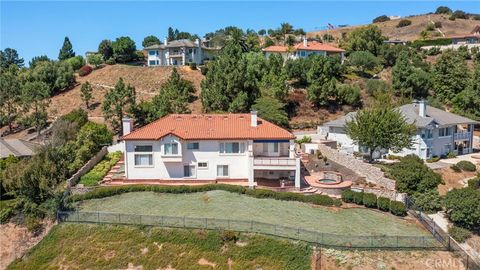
x: 206, y: 147
x: 179, y: 52
x: 438, y: 132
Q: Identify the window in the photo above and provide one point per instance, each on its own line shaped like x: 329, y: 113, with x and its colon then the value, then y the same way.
x: 152, y: 63
x: 443, y: 132
x: 152, y: 52
x: 143, y: 160
x: 143, y: 148
x: 232, y: 148
x: 170, y: 149
x: 222, y: 170
x: 189, y: 171
x: 190, y: 50
x: 202, y: 165
x: 428, y: 134
x: 193, y: 146
x: 302, y: 53
x: 275, y: 147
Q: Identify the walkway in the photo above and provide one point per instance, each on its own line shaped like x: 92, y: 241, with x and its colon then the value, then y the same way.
x: 371, y: 173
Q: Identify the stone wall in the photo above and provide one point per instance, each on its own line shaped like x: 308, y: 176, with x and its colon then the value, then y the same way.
x: 72, y: 181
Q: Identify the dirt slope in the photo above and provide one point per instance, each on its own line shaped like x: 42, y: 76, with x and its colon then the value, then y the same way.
x: 411, y: 32
x: 147, y: 82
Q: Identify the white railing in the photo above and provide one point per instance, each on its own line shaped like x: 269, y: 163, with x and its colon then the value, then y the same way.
x: 274, y: 161
x: 462, y: 136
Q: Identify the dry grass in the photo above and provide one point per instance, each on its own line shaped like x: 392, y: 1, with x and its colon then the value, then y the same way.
x: 452, y: 179
x: 411, y: 32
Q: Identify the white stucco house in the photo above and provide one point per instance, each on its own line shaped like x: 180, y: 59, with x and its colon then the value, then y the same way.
x: 304, y: 49
x: 199, y: 147
x: 438, y: 132
x: 179, y: 52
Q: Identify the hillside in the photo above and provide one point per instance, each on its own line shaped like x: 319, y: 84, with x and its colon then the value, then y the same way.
x: 147, y: 82
x: 411, y: 32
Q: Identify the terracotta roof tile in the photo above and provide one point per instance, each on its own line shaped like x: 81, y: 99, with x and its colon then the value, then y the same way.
x: 311, y: 46
x: 209, y: 127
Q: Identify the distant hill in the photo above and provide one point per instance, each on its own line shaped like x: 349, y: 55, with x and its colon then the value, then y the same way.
x: 411, y: 32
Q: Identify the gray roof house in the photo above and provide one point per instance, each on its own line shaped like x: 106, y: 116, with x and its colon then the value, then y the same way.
x: 16, y: 147
x: 438, y: 132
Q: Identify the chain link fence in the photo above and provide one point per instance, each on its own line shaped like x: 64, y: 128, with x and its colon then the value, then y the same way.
x: 315, y: 237
x: 443, y: 237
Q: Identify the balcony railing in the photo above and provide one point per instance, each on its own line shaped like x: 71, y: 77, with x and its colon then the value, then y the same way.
x: 462, y: 136
x: 274, y: 161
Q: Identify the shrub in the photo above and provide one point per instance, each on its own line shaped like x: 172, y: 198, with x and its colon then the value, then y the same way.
x: 443, y: 10
x: 193, y: 66
x: 429, y: 201
x: 347, y: 196
x: 474, y: 183
x: 85, y: 70
x: 358, y: 197
x: 398, y: 208
x: 78, y: 116
x: 451, y: 155
x: 430, y: 26
x: 460, y: 14
x: 455, y: 168
x: 370, y: 200
x: 383, y: 204
x: 403, y: 23
x: 462, y: 207
x: 304, y: 139
x: 459, y: 234
x: 204, y: 70
x: 433, y: 159
x: 97, y: 173
x: 7, y: 209
x: 76, y: 62
x: 438, y: 24
x: 412, y: 175
x: 476, y: 17
x: 466, y: 166
x: 110, y: 61
x: 229, y: 236
x: 382, y: 18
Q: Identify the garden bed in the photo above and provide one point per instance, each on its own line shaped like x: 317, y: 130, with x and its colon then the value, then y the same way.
x: 94, y: 176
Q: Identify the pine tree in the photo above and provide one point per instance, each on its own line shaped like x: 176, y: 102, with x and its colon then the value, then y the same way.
x: 35, y: 99
x: 9, y: 97
x: 118, y: 101
x: 66, y: 51
x: 86, y: 93
x: 450, y: 76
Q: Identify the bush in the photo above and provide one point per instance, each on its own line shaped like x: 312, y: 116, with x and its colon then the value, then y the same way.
x: 429, y: 201
x: 451, y: 155
x: 377, y: 86
x: 432, y: 42
x: 370, y: 200
x: 433, y: 159
x: 358, y: 198
x: 383, y: 18
x: 85, y: 70
x: 193, y: 66
x: 462, y: 207
x: 403, y: 23
x: 348, y: 94
x: 110, y: 61
x: 398, y: 208
x: 78, y: 116
x: 476, y: 17
x: 97, y: 173
x: 76, y: 62
x: 383, y: 204
x: 7, y: 209
x: 229, y: 236
x: 412, y: 175
x: 304, y: 139
x: 466, y: 166
x: 474, y: 183
x: 347, y: 196
x: 103, y: 192
x: 430, y: 27
x: 459, y: 234
x: 438, y: 24
x: 204, y: 70
x: 460, y: 14
x: 443, y: 10
x: 455, y: 168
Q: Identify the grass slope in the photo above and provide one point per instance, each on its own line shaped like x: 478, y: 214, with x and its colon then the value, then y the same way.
x: 226, y: 205
x: 80, y: 246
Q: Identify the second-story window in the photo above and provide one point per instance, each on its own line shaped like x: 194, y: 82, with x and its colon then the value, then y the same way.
x: 152, y: 52
x: 232, y: 148
x: 170, y: 149
x: 443, y: 132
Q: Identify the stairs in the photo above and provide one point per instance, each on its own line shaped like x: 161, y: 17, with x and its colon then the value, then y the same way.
x: 115, y: 172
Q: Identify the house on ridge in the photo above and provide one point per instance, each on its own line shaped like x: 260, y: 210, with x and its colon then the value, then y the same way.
x: 304, y: 49
x: 179, y: 52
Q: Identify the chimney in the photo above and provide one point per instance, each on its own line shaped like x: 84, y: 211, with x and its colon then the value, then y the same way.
x: 422, y: 108
x: 305, y: 42
x: 253, y: 117
x: 197, y: 41
x: 127, y: 125
x: 165, y: 41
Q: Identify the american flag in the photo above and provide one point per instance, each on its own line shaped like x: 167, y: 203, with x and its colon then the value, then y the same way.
x: 330, y: 26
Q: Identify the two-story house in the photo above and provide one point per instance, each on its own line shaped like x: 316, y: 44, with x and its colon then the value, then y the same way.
x: 179, y: 52
x: 438, y: 132
x: 304, y: 49
x: 241, y: 147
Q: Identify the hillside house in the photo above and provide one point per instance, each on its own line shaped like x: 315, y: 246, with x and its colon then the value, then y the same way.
x: 304, y: 49
x: 472, y: 38
x: 206, y: 147
x: 438, y: 132
x: 179, y: 52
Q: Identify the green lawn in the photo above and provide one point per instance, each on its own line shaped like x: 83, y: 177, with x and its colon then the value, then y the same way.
x: 80, y: 246
x: 226, y: 205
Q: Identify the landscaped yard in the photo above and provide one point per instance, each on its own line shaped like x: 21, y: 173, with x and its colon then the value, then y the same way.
x: 80, y: 246
x: 226, y: 205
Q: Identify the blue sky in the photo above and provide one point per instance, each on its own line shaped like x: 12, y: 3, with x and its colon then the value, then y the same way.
x: 37, y: 27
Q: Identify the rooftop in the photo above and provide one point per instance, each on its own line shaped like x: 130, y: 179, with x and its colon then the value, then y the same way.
x: 16, y: 147
x: 210, y: 127
x: 311, y: 46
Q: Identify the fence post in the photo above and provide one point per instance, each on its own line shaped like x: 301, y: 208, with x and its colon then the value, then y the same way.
x: 162, y: 221
x: 397, y: 241
x: 206, y: 223
x: 141, y: 219
x: 298, y: 233
x: 98, y: 217
x: 251, y: 225
x: 118, y: 217
x: 184, y: 221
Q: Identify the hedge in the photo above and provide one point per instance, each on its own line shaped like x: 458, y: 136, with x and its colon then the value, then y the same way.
x: 103, y: 192
x: 85, y: 70
x: 97, y: 173
x: 347, y: 196
x: 455, y: 168
x: 370, y: 200
x: 398, y: 208
x: 465, y: 165
x: 383, y: 204
x: 460, y: 234
x: 358, y: 198
x: 432, y: 42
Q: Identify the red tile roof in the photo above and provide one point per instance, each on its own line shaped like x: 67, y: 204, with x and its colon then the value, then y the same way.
x: 311, y: 46
x: 210, y: 127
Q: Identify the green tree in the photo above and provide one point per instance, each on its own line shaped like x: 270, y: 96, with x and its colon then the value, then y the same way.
x: 86, y: 93
x: 382, y: 18
x: 322, y: 77
x: 286, y: 28
x: 262, y: 32
x: 170, y: 34
x: 9, y: 57
x: 348, y: 94
x: 95, y: 59
x: 450, y: 76
x: 408, y: 80
x: 76, y: 62
x: 174, y: 96
x: 117, y: 101
x: 105, y: 49
x: 35, y: 99
x: 412, y: 176
x: 150, y: 40
x: 64, y: 76
x: 37, y: 59
x: 443, y: 10
x: 467, y: 102
x: 123, y: 49
x: 66, y: 51
x: 380, y: 128
x: 368, y: 38
x: 10, y: 93
x: 462, y: 207
x: 271, y: 110
x: 363, y: 61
